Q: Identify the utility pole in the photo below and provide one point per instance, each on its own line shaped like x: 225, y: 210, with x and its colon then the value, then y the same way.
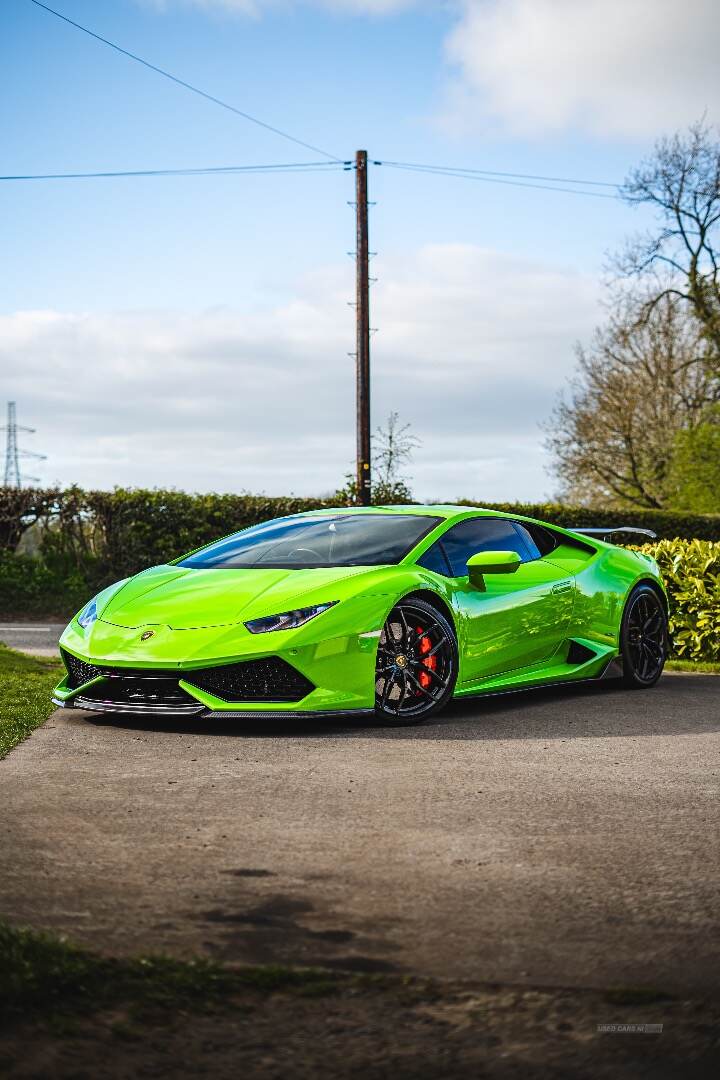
x: 13, y: 453
x: 362, y: 309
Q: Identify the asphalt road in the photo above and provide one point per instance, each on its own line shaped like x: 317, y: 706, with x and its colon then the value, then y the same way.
x: 38, y: 638
x: 567, y: 837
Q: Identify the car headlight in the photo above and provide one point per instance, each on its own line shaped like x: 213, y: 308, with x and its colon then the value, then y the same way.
x: 287, y: 620
x: 88, y: 615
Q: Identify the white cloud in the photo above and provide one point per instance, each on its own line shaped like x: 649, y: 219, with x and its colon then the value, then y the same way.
x: 610, y: 67
x: 531, y: 67
x: 472, y: 348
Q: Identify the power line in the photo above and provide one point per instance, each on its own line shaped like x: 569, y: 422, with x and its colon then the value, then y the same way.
x: 436, y: 171
x: 459, y: 175
x: 183, y: 83
x: 307, y: 167
x: 218, y: 170
x: 494, y: 172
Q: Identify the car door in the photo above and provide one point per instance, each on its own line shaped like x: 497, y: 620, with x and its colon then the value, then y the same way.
x: 519, y: 619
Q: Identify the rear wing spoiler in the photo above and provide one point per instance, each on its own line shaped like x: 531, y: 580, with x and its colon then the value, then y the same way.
x: 623, y: 530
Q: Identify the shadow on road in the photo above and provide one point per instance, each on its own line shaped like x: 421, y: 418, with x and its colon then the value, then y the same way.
x: 679, y: 705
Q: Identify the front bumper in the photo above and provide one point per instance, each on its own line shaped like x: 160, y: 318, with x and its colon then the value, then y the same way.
x: 335, y: 670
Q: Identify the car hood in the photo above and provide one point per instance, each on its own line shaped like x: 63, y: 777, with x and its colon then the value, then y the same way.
x: 186, y: 599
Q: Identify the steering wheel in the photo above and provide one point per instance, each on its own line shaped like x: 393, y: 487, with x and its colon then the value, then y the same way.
x: 306, y: 551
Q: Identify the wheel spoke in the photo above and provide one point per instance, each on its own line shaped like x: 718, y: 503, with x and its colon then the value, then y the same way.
x: 655, y: 650
x: 386, y: 693
x: 429, y: 629
x: 649, y: 662
x: 641, y: 662
x: 405, y: 640
x: 403, y: 692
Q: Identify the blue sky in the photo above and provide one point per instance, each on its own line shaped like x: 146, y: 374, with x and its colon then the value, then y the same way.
x: 193, y: 331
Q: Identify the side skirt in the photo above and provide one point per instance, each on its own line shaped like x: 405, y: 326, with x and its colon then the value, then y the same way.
x: 549, y: 685
x: 609, y: 666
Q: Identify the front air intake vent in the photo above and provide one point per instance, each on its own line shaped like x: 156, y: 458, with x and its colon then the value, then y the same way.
x: 270, y: 679
x: 79, y: 671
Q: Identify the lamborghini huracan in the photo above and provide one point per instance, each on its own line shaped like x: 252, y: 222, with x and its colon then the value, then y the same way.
x: 386, y: 611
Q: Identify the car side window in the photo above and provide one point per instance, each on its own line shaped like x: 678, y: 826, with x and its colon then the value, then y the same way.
x: 434, y: 559
x: 529, y: 540
x: 544, y: 539
x: 484, y: 534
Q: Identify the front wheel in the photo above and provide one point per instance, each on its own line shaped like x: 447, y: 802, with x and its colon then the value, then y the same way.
x: 643, y: 638
x: 416, y: 663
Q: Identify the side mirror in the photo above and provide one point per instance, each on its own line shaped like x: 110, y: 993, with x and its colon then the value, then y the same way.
x: 491, y: 562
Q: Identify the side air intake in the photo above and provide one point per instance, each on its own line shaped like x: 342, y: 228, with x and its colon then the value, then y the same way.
x: 579, y: 653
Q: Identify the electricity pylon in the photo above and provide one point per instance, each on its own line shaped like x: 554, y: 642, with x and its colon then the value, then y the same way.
x: 13, y: 453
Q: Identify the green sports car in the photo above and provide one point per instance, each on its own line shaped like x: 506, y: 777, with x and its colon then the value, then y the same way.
x: 390, y: 611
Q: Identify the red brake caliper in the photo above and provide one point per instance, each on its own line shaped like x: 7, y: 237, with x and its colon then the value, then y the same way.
x: 429, y: 662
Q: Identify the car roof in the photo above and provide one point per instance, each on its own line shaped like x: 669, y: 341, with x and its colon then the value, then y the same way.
x: 441, y: 510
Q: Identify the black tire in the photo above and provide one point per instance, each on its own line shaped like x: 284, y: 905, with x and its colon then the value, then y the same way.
x: 417, y: 663
x: 643, y: 638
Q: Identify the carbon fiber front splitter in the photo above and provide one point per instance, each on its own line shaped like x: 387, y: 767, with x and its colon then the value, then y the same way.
x: 202, y: 712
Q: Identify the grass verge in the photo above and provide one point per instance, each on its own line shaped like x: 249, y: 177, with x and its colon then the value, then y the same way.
x: 26, y: 684
x: 702, y: 667
x: 44, y: 976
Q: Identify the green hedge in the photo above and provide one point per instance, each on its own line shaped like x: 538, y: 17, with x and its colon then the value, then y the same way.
x: 668, y: 524
x: 59, y: 546
x: 691, y: 572
x: 29, y: 587
x: 80, y: 541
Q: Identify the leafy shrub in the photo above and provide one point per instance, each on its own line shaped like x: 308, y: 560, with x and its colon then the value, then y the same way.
x: 691, y: 572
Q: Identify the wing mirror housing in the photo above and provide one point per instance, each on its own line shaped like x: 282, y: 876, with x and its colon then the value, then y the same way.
x: 491, y: 562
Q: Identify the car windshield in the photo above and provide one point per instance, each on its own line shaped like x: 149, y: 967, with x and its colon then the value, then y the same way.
x: 313, y: 542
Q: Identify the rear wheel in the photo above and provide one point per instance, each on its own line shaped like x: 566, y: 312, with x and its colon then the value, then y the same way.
x: 416, y: 663
x: 643, y: 638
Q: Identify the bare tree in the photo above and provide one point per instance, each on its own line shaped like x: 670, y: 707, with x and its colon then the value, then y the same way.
x: 681, y: 181
x: 641, y: 382
x: 394, y: 447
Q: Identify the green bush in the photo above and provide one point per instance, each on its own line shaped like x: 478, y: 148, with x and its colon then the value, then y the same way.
x: 691, y: 572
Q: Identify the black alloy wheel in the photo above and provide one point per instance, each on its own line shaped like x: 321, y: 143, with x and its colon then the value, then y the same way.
x: 643, y: 638
x: 416, y: 663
